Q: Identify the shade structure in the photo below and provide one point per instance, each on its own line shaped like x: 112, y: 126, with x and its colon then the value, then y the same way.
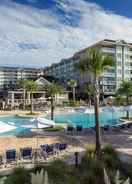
x: 111, y: 109
x: 128, y: 108
x: 42, y: 122
x: 6, y: 127
x: 110, y: 97
x: 84, y: 110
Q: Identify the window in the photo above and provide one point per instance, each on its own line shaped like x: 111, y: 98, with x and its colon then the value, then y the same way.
x: 119, y: 78
x: 119, y: 55
x: 127, y: 56
x: 119, y: 71
x: 127, y: 64
x: 119, y: 63
x: 127, y: 72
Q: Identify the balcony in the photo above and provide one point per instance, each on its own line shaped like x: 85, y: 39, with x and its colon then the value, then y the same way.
x: 108, y: 50
x: 108, y: 74
x: 108, y: 83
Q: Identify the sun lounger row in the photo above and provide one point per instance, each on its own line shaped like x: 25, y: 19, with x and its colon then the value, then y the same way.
x: 116, y: 127
x: 78, y: 128
x: 29, y: 154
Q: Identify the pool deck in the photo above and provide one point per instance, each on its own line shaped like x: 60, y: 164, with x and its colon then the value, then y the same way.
x: 12, y: 142
x: 121, y: 140
x: 19, y: 113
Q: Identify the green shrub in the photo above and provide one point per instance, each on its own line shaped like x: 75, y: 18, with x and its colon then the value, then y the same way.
x: 90, y: 151
x: 58, y: 172
x: 19, y: 176
x: 110, y: 158
x: 90, y: 170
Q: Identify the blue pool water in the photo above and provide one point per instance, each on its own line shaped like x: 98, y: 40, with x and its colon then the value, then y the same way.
x: 86, y: 120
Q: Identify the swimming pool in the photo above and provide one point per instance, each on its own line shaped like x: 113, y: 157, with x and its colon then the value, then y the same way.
x: 88, y: 120
x: 15, y: 125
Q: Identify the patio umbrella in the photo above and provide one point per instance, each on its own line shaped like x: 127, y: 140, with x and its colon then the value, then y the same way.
x: 84, y: 110
x: 41, y: 123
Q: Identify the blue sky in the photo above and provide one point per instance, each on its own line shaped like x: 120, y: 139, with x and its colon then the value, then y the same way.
x: 38, y: 33
x: 122, y: 7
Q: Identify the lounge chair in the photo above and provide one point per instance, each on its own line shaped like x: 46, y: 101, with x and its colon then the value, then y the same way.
x: 48, y: 149
x: 26, y: 153
x: 60, y: 146
x: 129, y: 125
x: 70, y: 129
x: 79, y: 128
x: 106, y: 128
x: 123, y: 126
x: 11, y: 156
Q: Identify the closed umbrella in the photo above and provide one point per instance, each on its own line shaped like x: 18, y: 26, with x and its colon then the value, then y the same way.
x: 111, y: 109
x: 128, y: 108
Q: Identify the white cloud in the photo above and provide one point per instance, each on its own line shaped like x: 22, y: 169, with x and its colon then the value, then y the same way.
x: 33, y: 37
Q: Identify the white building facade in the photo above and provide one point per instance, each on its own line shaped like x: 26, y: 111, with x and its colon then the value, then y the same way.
x: 10, y: 75
x: 122, y: 52
x: 111, y: 78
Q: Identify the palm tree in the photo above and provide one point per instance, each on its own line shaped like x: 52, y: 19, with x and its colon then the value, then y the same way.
x: 118, y: 99
x: 31, y: 86
x: 22, y: 84
x: 81, y: 68
x: 94, y: 62
x: 73, y: 84
x: 89, y: 90
x: 52, y: 90
x: 126, y: 89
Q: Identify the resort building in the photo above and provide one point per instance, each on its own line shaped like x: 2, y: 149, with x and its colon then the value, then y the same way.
x: 16, y: 98
x: 10, y: 75
x: 112, y: 77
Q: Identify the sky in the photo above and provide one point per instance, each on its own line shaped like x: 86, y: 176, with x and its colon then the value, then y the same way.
x: 37, y: 33
x: 120, y: 7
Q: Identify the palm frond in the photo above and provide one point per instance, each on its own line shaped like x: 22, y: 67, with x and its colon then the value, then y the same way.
x: 93, y: 60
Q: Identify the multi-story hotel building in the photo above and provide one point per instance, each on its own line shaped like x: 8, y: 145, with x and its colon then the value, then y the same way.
x: 112, y: 77
x: 10, y: 75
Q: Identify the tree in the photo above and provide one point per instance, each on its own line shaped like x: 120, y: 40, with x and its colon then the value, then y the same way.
x: 31, y: 86
x: 52, y: 90
x: 81, y: 68
x: 126, y: 89
x: 94, y: 62
x: 73, y: 84
x: 89, y: 90
x: 118, y: 99
x: 22, y: 84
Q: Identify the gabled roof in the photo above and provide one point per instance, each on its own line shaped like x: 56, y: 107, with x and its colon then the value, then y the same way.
x: 42, y: 81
